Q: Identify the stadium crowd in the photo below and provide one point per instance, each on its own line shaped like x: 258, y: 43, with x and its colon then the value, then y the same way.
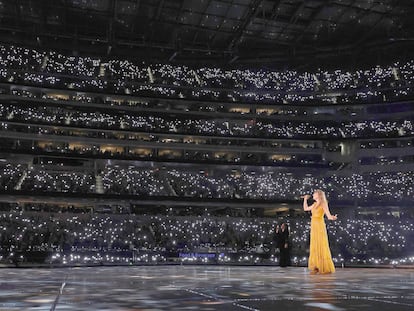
x: 85, y: 237
x: 69, y: 238
x: 51, y: 69
x: 11, y: 114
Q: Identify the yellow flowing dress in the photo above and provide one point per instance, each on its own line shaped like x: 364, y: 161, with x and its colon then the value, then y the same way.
x: 320, y: 259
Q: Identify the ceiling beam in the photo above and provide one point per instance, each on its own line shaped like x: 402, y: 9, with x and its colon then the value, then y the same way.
x: 312, y: 19
x: 292, y: 21
x: 295, y: 14
x: 274, y: 13
x: 357, y: 8
x: 159, y: 10
x: 251, y: 13
x: 365, y: 35
x: 214, y: 35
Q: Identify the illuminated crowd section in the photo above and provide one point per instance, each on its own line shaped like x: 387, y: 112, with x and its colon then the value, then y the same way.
x: 141, y: 135
x: 68, y: 238
x: 228, y: 128
x: 51, y: 69
x: 188, y: 182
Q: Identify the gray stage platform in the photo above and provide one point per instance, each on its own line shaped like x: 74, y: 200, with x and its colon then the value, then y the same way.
x: 205, y: 288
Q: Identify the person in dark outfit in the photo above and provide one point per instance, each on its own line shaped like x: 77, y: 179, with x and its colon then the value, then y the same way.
x: 275, y: 241
x: 283, y: 245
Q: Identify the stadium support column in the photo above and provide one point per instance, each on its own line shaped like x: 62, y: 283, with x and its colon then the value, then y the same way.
x: 98, y: 178
x: 348, y: 149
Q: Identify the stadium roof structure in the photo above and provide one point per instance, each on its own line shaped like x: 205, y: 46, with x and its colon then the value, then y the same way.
x: 215, y: 31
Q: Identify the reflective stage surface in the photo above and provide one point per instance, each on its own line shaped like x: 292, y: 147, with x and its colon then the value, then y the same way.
x: 205, y: 288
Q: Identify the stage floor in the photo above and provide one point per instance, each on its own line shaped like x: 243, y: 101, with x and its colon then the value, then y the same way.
x: 205, y: 288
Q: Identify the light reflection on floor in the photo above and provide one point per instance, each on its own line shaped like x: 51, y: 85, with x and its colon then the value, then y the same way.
x: 206, y: 288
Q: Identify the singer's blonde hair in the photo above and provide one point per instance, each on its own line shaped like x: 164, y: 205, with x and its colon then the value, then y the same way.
x: 322, y: 195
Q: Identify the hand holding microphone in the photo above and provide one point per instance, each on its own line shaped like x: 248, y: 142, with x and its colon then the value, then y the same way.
x: 305, y: 197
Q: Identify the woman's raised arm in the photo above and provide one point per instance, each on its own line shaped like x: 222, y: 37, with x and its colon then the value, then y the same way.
x: 306, y: 207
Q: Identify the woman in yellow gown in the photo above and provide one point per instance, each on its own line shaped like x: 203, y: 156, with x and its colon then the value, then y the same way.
x: 320, y: 259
